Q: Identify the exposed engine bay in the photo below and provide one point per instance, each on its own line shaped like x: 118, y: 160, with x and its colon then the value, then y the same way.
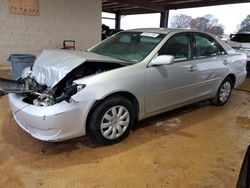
x: 41, y: 95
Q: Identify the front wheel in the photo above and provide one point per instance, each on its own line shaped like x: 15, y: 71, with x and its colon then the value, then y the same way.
x: 223, y: 93
x: 111, y: 121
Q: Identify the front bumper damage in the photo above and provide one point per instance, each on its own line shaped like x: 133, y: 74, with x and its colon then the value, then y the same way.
x: 58, y: 122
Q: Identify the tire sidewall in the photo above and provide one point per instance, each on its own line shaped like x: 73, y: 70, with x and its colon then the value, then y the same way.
x: 97, y: 116
x: 218, y: 93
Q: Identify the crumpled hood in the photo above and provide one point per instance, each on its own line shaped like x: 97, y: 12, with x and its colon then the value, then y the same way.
x: 53, y: 65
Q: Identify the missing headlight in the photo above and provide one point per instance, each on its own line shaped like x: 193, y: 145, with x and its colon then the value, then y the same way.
x: 68, y: 92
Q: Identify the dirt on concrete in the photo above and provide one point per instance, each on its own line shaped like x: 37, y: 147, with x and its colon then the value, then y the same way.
x: 196, y: 146
x: 245, y: 86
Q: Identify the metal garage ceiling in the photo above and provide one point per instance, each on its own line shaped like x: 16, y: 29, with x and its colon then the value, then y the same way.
x: 128, y: 7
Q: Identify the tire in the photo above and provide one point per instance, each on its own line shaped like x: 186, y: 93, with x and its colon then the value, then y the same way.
x: 223, y: 93
x: 111, y: 121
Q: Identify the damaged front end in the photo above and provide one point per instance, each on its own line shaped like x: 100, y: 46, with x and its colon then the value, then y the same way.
x: 42, y: 100
x: 26, y: 87
x: 22, y: 86
x: 36, y: 94
x: 54, y: 72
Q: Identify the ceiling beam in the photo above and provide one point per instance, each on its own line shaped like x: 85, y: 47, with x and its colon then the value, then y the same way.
x: 112, y: 7
x: 144, y: 7
x: 142, y: 4
x: 136, y: 11
x: 191, y: 4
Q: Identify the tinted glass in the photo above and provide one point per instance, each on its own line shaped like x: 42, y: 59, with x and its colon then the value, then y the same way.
x: 241, y: 38
x: 129, y: 46
x: 178, y: 46
x: 207, y: 46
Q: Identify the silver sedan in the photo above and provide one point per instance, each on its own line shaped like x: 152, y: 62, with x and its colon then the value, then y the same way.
x: 130, y: 76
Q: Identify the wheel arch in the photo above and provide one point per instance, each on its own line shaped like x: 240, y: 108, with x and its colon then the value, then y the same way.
x: 132, y: 98
x: 232, y: 77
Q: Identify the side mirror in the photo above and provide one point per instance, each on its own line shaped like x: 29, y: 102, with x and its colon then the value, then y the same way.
x: 163, y: 60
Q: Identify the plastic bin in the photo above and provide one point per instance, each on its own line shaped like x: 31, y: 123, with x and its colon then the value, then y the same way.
x: 19, y: 62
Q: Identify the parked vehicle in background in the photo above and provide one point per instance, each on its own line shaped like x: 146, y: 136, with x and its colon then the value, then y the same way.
x: 128, y: 77
x: 241, y: 43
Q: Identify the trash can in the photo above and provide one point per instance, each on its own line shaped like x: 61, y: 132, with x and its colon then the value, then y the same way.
x: 19, y: 62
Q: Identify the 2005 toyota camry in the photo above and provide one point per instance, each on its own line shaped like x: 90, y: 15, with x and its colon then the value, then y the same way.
x: 128, y: 77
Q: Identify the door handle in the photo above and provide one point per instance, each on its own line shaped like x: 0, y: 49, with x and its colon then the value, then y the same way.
x: 192, y: 69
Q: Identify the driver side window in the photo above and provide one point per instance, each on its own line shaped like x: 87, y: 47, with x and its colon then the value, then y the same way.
x: 178, y: 46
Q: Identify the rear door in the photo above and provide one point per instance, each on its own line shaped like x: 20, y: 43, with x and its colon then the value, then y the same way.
x: 211, y: 62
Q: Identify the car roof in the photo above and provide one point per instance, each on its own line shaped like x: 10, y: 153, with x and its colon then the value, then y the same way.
x: 164, y: 30
x: 156, y: 30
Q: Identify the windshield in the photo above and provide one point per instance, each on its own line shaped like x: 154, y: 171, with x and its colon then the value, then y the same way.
x: 241, y: 38
x: 129, y: 46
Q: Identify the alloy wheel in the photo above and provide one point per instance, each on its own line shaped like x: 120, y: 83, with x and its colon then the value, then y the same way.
x: 115, y: 122
x: 225, y: 91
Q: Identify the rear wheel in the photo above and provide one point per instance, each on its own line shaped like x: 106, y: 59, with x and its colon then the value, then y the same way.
x: 111, y: 121
x: 223, y: 93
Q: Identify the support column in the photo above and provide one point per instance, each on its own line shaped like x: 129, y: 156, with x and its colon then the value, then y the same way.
x: 118, y: 20
x: 164, y: 19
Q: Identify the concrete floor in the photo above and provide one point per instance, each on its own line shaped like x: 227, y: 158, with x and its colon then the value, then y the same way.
x: 196, y: 146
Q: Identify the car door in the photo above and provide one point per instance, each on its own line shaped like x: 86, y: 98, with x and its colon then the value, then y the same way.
x: 169, y: 86
x: 211, y: 62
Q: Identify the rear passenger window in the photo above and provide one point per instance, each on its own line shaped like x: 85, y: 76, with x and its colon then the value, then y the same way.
x: 178, y: 46
x: 207, y: 46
